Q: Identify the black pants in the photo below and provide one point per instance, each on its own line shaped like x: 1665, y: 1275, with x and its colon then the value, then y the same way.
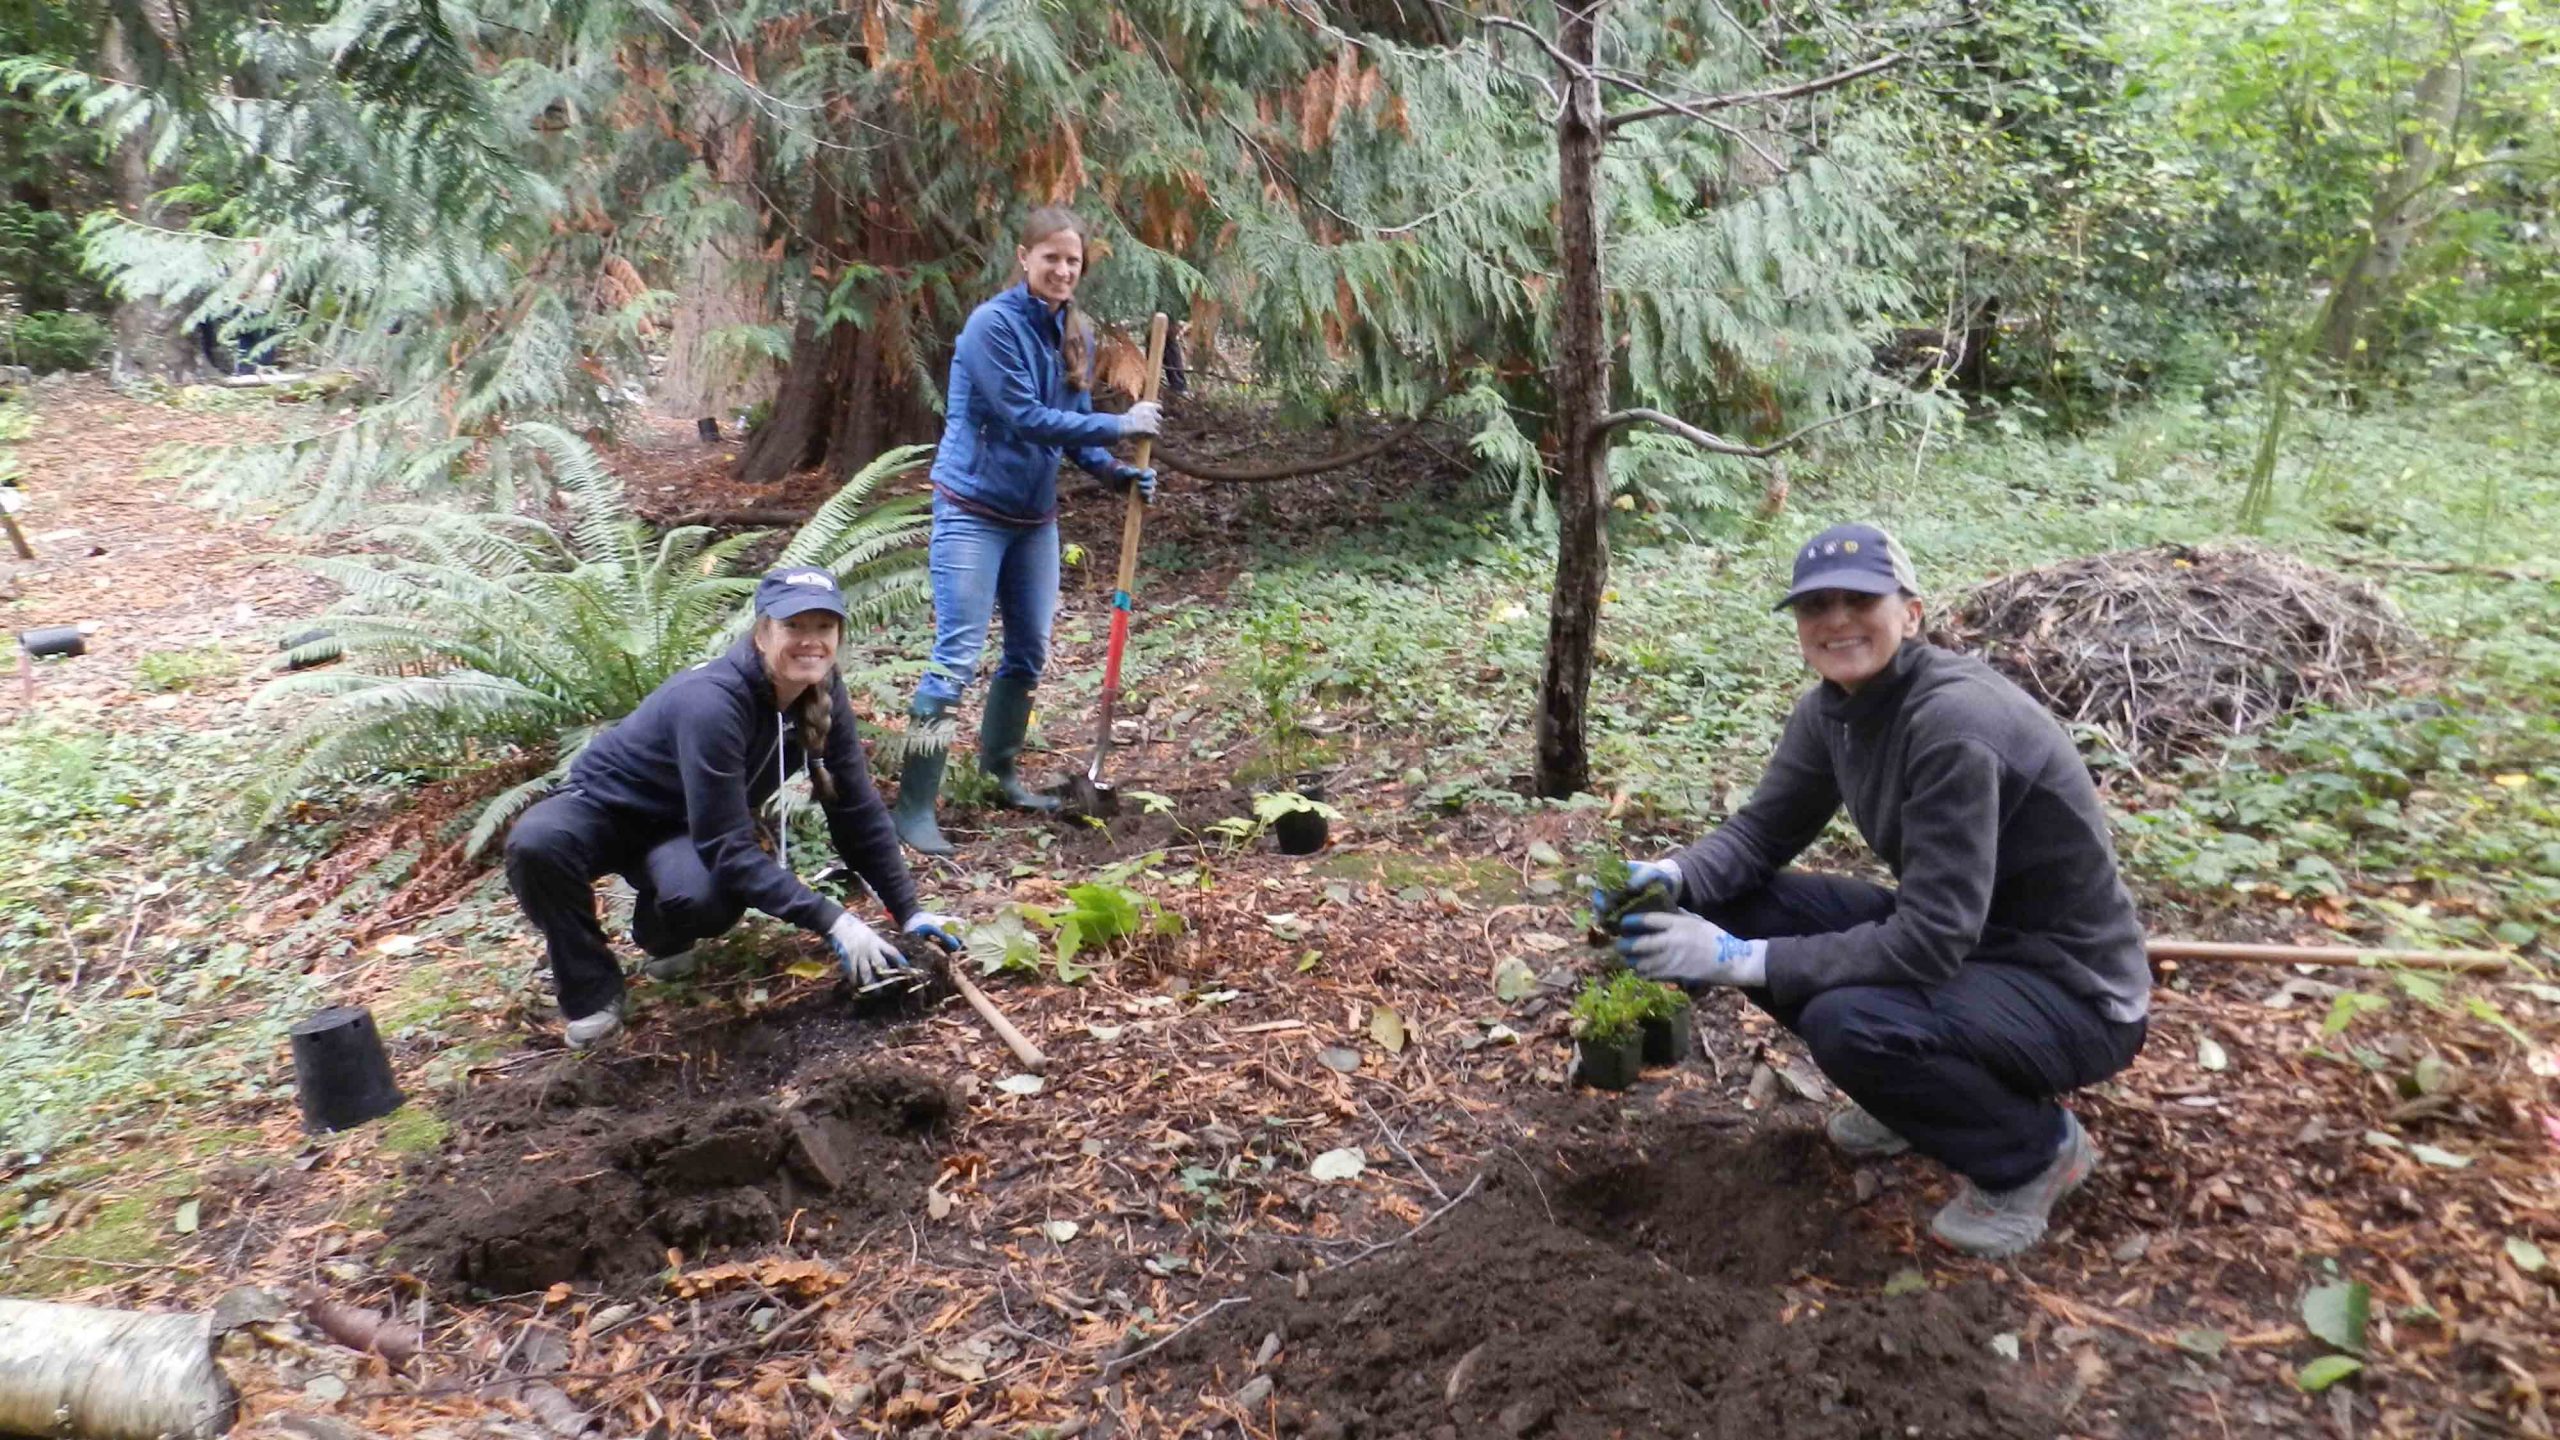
x: 1967, y: 1071
x: 554, y: 855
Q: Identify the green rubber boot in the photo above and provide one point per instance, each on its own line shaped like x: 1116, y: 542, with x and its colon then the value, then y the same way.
x: 1000, y: 728
x: 920, y: 784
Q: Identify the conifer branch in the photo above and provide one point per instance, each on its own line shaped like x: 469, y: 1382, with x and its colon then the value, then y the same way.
x: 1717, y: 443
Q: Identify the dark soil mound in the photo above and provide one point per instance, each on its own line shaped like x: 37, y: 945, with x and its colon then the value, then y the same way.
x: 596, y: 1167
x: 1701, y: 1295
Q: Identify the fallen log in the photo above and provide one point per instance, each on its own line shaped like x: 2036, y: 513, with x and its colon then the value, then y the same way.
x: 109, y: 1374
x: 2469, y: 961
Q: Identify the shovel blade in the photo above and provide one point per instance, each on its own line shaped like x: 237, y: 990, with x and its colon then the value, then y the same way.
x: 1081, y: 797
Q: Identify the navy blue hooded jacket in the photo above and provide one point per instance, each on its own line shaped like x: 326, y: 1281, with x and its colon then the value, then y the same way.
x: 1010, y: 412
x: 707, y: 749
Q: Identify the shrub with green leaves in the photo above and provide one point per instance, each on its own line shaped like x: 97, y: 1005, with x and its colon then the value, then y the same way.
x: 1098, y: 915
x: 477, y: 636
x: 50, y: 340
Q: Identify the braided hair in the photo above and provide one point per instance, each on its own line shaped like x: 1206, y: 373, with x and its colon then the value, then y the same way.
x: 1075, y: 341
x: 813, y: 718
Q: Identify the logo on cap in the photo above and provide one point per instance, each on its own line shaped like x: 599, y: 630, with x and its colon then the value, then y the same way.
x: 810, y: 577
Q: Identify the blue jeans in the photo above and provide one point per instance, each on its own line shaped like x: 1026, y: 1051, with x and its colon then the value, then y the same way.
x: 982, y: 568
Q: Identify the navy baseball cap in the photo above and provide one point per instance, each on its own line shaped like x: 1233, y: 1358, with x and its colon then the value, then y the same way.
x: 797, y: 590
x: 1860, y: 558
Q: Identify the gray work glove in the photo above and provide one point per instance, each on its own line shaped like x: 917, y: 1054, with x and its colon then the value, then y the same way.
x: 1686, y: 950
x: 868, y: 960
x: 1144, y: 418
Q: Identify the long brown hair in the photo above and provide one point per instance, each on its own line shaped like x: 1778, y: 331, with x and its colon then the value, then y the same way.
x: 1075, y: 344
x: 814, y: 716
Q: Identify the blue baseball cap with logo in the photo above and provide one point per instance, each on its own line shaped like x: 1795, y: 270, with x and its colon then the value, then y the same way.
x: 1859, y: 558
x: 797, y: 590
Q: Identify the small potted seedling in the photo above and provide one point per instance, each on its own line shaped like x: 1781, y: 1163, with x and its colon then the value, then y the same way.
x: 1665, y: 1023
x: 1610, y: 876
x: 1300, y: 822
x: 1608, y: 1032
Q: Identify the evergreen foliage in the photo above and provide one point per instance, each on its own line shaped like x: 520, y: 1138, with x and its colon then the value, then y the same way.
x: 476, y: 634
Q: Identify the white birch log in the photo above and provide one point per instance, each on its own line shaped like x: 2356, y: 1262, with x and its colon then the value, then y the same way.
x: 109, y: 1374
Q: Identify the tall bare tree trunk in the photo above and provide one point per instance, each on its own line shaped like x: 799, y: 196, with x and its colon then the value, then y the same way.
x: 1582, y: 393
x: 842, y: 400
x: 151, y: 341
x: 2401, y: 212
x: 725, y: 283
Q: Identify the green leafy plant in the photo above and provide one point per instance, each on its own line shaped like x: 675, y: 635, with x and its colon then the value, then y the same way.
x: 1099, y: 914
x: 1271, y: 807
x: 475, y: 636
x: 1608, y: 1010
x: 50, y: 340
x: 1278, y: 661
x: 168, y: 670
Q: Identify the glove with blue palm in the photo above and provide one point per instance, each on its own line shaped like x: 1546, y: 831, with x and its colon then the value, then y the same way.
x: 942, y: 930
x: 1682, y: 949
x: 1145, y: 480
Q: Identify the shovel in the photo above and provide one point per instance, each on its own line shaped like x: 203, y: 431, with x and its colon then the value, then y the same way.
x: 1088, y: 796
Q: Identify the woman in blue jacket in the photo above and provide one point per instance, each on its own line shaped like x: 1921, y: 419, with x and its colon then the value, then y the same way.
x: 1020, y: 395
x: 667, y: 797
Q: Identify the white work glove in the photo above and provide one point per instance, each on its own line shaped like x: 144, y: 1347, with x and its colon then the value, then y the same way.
x: 943, y: 930
x: 867, y: 959
x: 1682, y: 949
x: 1144, y: 418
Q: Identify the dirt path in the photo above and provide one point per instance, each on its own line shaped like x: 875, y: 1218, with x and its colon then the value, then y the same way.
x: 725, y: 1230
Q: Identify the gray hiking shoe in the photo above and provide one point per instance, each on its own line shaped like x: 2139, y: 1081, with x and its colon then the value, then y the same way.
x: 600, y: 1031
x: 679, y: 966
x: 1861, y: 1134
x: 1997, y: 1226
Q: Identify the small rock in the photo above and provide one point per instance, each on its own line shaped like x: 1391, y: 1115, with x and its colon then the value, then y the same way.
x: 248, y: 1305
x: 1254, y: 1393
x: 1866, y: 1185
x: 327, y: 1389
x: 1526, y: 1417
x: 814, y: 1156
x: 1270, y: 1351
x: 2134, y: 1248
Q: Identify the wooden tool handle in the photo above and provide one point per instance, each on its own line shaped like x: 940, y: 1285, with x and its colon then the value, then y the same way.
x: 1014, y: 1040
x: 2470, y: 960
x: 1134, y: 519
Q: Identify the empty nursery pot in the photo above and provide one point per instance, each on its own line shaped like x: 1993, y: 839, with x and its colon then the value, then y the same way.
x: 305, y: 649
x: 53, y: 640
x: 1301, y: 832
x: 1610, y: 1064
x: 340, y: 1071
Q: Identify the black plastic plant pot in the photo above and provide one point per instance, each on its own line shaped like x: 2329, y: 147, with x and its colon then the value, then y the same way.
x: 1666, y: 1037
x: 1301, y: 832
x: 340, y: 1072
x: 53, y: 640
x: 1611, y: 1064
x: 319, y: 647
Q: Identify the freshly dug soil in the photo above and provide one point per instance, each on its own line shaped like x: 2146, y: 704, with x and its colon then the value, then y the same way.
x: 1717, y: 1291
x: 594, y: 1168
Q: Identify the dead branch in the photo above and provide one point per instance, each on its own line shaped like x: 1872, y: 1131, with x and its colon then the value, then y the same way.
x: 2448, y: 567
x: 1175, y: 1334
x: 2468, y: 961
x: 1179, y: 463
x: 1695, y: 109
x: 1717, y: 443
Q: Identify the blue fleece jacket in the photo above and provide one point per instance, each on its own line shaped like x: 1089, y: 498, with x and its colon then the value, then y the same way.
x: 1010, y: 413
x: 706, y: 749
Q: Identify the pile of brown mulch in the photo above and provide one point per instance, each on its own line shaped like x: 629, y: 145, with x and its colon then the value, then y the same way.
x: 2172, y: 649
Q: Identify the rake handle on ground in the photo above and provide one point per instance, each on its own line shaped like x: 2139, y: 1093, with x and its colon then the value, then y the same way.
x: 2465, y: 960
x: 1132, y: 523
x: 1014, y: 1040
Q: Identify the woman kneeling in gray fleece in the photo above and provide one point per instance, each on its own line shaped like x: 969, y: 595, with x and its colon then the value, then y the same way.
x: 2006, y: 969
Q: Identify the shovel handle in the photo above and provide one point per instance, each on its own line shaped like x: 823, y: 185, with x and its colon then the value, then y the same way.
x: 1133, y: 522
x: 1024, y: 1052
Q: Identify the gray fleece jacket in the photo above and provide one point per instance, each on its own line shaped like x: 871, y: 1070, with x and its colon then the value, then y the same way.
x: 1975, y: 797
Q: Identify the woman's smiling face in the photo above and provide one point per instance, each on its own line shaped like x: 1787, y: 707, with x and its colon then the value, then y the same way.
x: 1848, y: 638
